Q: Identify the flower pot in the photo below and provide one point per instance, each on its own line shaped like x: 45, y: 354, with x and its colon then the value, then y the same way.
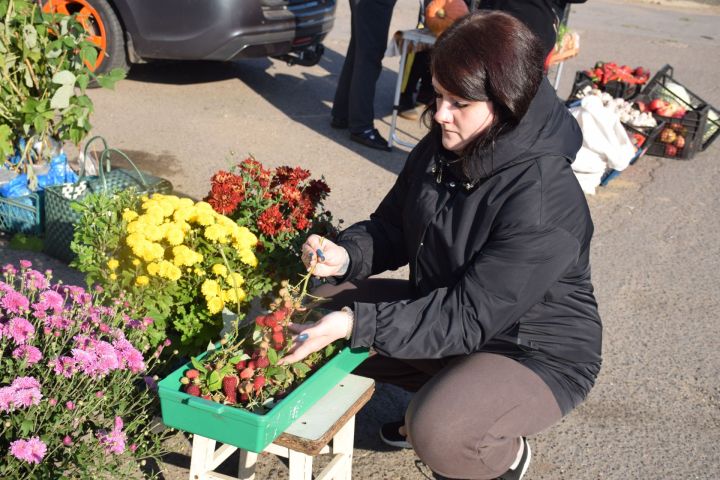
x: 242, y: 428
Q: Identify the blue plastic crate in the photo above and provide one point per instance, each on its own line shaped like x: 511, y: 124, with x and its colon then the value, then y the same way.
x: 22, y: 214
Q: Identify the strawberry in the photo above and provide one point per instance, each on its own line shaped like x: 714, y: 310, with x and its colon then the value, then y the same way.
x: 240, y: 366
x: 263, y: 362
x: 206, y: 396
x: 192, y: 373
x: 247, y: 373
x: 259, y: 383
x: 244, y: 397
x: 193, y: 390
x: 271, y: 322
x: 229, y: 387
x: 278, y: 337
x: 260, y: 320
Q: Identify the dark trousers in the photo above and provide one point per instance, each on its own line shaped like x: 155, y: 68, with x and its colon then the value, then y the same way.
x: 469, y: 412
x: 355, y: 94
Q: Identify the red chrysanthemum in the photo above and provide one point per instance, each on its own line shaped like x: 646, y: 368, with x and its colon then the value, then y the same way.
x: 271, y: 221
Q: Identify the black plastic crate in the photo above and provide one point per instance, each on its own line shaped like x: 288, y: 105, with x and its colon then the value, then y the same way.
x: 649, y: 134
x: 701, y: 127
x: 614, y: 88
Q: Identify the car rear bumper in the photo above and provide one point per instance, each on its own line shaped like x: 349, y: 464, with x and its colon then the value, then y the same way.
x: 225, y: 29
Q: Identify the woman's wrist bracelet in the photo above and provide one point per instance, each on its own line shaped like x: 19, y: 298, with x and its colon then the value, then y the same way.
x: 351, y: 316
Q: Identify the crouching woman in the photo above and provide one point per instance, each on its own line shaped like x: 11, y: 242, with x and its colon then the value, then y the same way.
x: 496, y: 330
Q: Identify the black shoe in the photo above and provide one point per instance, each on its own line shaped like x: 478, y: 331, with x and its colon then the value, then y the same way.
x: 390, y: 434
x: 519, y: 471
x: 339, y: 123
x: 371, y: 138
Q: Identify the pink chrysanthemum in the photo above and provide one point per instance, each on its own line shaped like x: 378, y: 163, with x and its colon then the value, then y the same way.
x: 28, y: 353
x: 36, y: 280
x: 113, y: 441
x: 27, y: 391
x: 14, y: 302
x: 32, y: 450
x: 7, y: 396
x: 20, y: 330
x: 65, y: 366
x: 129, y: 356
x: 25, y: 264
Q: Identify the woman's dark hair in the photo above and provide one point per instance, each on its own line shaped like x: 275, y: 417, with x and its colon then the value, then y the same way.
x: 487, y: 55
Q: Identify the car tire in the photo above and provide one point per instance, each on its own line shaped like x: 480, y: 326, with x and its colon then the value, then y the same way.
x: 104, y: 28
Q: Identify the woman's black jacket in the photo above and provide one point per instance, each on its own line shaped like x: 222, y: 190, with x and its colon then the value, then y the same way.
x: 501, y: 266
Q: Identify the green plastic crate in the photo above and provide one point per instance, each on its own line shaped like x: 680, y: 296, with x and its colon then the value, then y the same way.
x: 239, y: 427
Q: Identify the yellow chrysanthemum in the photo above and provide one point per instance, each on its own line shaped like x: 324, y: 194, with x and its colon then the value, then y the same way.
x: 204, y: 218
x: 142, y: 280
x: 234, y: 279
x: 234, y: 295
x: 174, y: 234
x: 136, y: 261
x: 210, y: 288
x: 169, y: 271
x: 129, y: 215
x: 219, y: 269
x: 113, y: 264
x: 215, y: 304
x: 113, y: 276
x: 248, y: 258
x: 153, y: 268
x: 153, y: 233
x: 217, y: 233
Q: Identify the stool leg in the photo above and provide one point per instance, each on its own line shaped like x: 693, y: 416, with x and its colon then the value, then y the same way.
x: 300, y: 466
x: 342, y: 443
x: 202, y: 456
x: 246, y: 470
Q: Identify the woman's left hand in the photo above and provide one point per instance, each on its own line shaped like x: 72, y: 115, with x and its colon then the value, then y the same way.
x: 331, y: 327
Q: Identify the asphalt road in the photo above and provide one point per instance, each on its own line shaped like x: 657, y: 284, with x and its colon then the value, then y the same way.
x: 655, y: 411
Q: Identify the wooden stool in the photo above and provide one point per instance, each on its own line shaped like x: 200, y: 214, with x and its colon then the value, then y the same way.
x: 331, y: 418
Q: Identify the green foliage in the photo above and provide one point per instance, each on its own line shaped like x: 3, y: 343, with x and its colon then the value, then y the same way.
x: 43, y: 58
x: 165, y: 276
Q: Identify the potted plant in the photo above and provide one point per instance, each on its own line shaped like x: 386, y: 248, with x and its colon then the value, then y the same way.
x: 43, y: 100
x: 77, y: 395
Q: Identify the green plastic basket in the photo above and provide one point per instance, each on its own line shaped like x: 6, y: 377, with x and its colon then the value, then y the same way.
x: 22, y: 214
x: 239, y: 427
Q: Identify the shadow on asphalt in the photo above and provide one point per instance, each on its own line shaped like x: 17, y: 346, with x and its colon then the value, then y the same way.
x: 305, y: 99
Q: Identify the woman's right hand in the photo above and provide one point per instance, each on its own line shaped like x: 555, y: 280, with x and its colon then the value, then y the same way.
x: 332, y: 260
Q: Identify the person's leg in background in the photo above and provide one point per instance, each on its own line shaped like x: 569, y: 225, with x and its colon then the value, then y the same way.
x: 371, y: 25
x: 341, y: 102
x: 468, y: 421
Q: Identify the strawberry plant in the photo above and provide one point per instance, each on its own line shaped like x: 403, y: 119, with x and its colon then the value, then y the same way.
x: 244, y: 370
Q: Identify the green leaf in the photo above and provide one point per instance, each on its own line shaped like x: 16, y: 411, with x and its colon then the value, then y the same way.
x: 82, y: 81
x: 26, y: 427
x: 300, y: 369
x: 214, y: 381
x: 30, y: 36
x: 6, y: 146
x: 61, y: 99
x: 198, y: 366
x: 64, y: 77
x: 239, y: 358
x: 272, y: 356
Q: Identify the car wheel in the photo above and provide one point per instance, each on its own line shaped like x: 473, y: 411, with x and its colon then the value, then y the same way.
x: 103, y: 27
